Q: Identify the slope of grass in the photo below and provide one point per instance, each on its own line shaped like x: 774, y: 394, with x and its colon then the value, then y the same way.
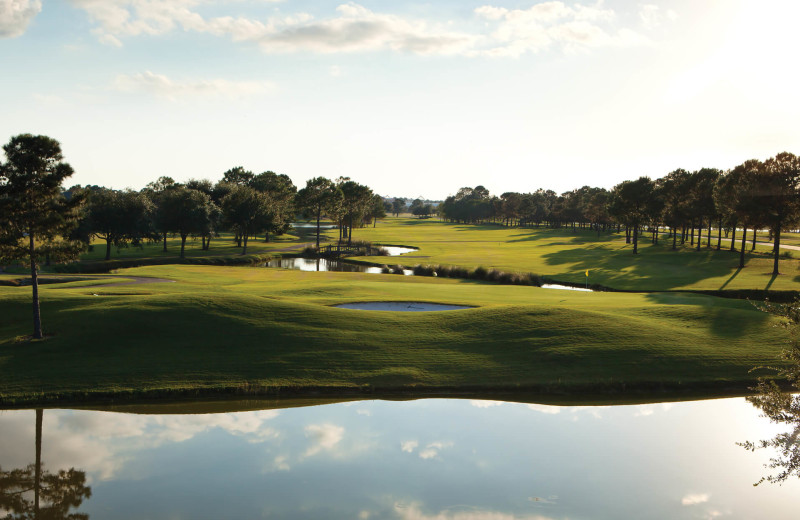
x: 250, y: 330
x: 565, y: 256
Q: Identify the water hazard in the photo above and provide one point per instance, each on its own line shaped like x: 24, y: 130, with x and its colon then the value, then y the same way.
x: 415, y: 460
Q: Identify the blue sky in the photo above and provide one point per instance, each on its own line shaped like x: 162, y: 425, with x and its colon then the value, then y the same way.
x: 411, y: 98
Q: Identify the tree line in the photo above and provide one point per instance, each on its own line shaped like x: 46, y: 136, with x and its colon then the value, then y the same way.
x: 752, y: 196
x: 40, y: 221
x: 242, y: 203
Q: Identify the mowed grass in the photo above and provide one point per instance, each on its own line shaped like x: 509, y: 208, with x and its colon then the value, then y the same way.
x: 565, y: 256
x: 259, y: 330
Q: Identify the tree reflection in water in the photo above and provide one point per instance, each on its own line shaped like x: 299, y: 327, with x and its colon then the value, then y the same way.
x: 781, y: 407
x: 34, y: 493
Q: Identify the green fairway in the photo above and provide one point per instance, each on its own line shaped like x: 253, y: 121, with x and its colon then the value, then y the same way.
x: 254, y: 330
x: 565, y: 256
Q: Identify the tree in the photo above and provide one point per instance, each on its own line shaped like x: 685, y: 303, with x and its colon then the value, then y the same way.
x: 318, y: 196
x: 702, y: 203
x: 778, y: 191
x: 120, y: 217
x: 780, y: 406
x: 631, y: 201
x: 237, y: 175
x: 377, y: 209
x: 154, y: 190
x: 417, y: 207
x: 398, y: 205
x: 184, y: 211
x: 674, y: 188
x: 282, y: 192
x: 35, y: 217
x: 246, y: 211
x: 356, y: 200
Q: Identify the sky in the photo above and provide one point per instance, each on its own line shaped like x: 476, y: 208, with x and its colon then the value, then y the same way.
x: 410, y: 98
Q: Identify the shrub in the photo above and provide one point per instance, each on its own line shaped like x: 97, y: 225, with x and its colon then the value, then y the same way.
x: 424, y: 270
x: 479, y: 273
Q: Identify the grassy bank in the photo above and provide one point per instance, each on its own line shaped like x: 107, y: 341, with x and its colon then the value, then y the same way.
x: 250, y: 331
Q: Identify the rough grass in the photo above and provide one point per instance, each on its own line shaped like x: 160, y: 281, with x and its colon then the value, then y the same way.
x: 251, y: 330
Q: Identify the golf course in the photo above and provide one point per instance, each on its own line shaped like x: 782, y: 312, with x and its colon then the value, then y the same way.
x: 183, y: 329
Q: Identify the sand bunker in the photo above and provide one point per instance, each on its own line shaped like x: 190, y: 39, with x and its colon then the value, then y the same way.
x: 401, y: 306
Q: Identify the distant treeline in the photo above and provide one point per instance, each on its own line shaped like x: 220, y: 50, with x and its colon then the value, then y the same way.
x: 242, y: 203
x: 754, y: 195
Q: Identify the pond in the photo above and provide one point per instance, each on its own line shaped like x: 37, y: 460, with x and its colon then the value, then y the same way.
x: 435, y: 459
x: 322, y: 264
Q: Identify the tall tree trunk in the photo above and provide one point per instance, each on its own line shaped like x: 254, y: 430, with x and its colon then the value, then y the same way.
x: 691, y: 233
x: 635, y: 239
x: 777, y: 249
x: 37, y: 315
x: 183, y: 243
x: 733, y: 237
x: 627, y: 234
x: 37, y: 479
x: 753, y: 248
x: 708, y: 235
x: 244, y: 249
x: 350, y: 230
x: 319, y: 214
x: 108, y: 249
x: 699, y: 232
x: 208, y: 243
x: 744, y: 246
x: 674, y: 239
x: 165, y: 241
x: 719, y: 236
x: 203, y: 247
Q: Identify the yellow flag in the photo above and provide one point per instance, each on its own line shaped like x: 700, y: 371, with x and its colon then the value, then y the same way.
x: 587, y: 273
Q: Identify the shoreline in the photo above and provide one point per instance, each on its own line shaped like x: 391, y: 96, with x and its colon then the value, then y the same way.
x: 560, y: 395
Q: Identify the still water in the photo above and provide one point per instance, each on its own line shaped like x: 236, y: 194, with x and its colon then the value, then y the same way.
x: 320, y: 264
x: 432, y: 459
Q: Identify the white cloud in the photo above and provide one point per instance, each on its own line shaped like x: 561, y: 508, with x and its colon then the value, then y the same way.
x: 478, y: 403
x: 281, y: 463
x: 653, y: 16
x: 354, y: 28
x: 543, y: 408
x: 335, y: 71
x: 432, y: 450
x: 409, y: 446
x: 694, y: 499
x: 414, y: 512
x: 15, y: 15
x: 549, y: 24
x: 91, y: 440
x: 162, y: 86
x: 323, y: 437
